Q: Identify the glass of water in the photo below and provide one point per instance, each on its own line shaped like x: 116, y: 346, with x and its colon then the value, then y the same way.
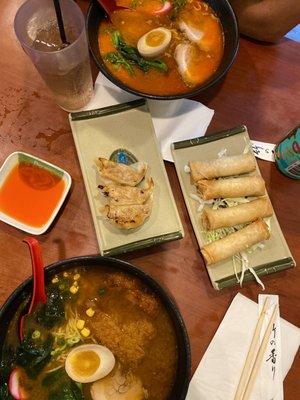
x: 64, y: 68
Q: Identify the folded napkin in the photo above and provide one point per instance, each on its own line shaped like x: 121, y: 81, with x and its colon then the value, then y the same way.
x: 218, y: 373
x: 173, y: 120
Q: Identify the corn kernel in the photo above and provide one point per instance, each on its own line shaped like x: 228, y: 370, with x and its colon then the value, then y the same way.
x: 66, y: 274
x: 55, y: 280
x: 36, y: 334
x: 75, y: 283
x: 80, y: 324
x: 74, y: 289
x: 76, y: 277
x: 90, y: 312
x: 85, y: 332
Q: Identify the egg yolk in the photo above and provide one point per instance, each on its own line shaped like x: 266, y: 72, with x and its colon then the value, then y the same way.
x: 85, y: 363
x: 156, y: 38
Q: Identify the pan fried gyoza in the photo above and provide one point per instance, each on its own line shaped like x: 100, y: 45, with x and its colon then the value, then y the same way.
x: 126, y: 195
x: 240, y: 214
x: 224, y: 166
x: 235, y: 242
x: 121, y: 174
x: 128, y: 216
x: 231, y: 187
x: 128, y: 205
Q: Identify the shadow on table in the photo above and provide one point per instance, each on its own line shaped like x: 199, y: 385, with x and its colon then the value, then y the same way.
x: 211, y: 93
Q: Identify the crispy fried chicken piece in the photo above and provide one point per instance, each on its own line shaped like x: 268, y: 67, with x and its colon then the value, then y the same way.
x: 135, y: 293
x: 127, y: 341
x: 145, y: 301
x: 122, y: 280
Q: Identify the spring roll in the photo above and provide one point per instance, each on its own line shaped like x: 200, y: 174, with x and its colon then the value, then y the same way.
x: 224, y: 166
x: 235, y: 242
x: 231, y: 187
x: 230, y: 216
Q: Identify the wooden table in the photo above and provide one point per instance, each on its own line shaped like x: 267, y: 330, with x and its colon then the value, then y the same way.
x: 261, y: 91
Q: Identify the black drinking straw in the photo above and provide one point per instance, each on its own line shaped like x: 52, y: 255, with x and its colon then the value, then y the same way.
x: 60, y: 23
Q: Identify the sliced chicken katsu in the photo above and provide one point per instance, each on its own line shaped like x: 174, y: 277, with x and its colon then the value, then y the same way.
x: 128, y: 216
x: 121, y: 174
x: 126, y: 195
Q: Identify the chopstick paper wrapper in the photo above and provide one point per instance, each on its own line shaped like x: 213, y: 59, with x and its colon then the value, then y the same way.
x: 250, y: 359
x: 219, y: 371
x: 261, y: 376
x: 270, y: 380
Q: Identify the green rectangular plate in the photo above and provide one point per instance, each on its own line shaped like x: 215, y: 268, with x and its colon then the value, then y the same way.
x: 276, y: 255
x: 97, y: 133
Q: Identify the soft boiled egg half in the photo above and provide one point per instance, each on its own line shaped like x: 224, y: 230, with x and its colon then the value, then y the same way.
x: 154, y: 42
x: 89, y: 362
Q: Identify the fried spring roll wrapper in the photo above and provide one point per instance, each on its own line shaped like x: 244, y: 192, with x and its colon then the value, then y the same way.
x: 247, y: 212
x: 231, y: 187
x: 224, y: 166
x: 235, y: 242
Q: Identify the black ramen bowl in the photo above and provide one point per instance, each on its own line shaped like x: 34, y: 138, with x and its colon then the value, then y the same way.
x: 181, y: 381
x: 228, y: 20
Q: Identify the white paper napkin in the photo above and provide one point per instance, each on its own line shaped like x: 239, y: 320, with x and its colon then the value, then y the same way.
x: 218, y: 373
x: 173, y: 120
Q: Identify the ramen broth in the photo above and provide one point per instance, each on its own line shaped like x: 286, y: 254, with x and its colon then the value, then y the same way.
x: 182, y: 73
x: 128, y: 319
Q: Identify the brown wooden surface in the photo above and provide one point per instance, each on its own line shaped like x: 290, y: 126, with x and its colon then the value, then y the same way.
x: 261, y: 91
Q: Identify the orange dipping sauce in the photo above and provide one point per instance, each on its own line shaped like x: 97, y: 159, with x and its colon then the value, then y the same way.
x: 30, y: 194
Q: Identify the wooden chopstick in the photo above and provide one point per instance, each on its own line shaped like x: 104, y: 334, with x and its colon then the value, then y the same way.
x: 260, y: 354
x: 251, y: 353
